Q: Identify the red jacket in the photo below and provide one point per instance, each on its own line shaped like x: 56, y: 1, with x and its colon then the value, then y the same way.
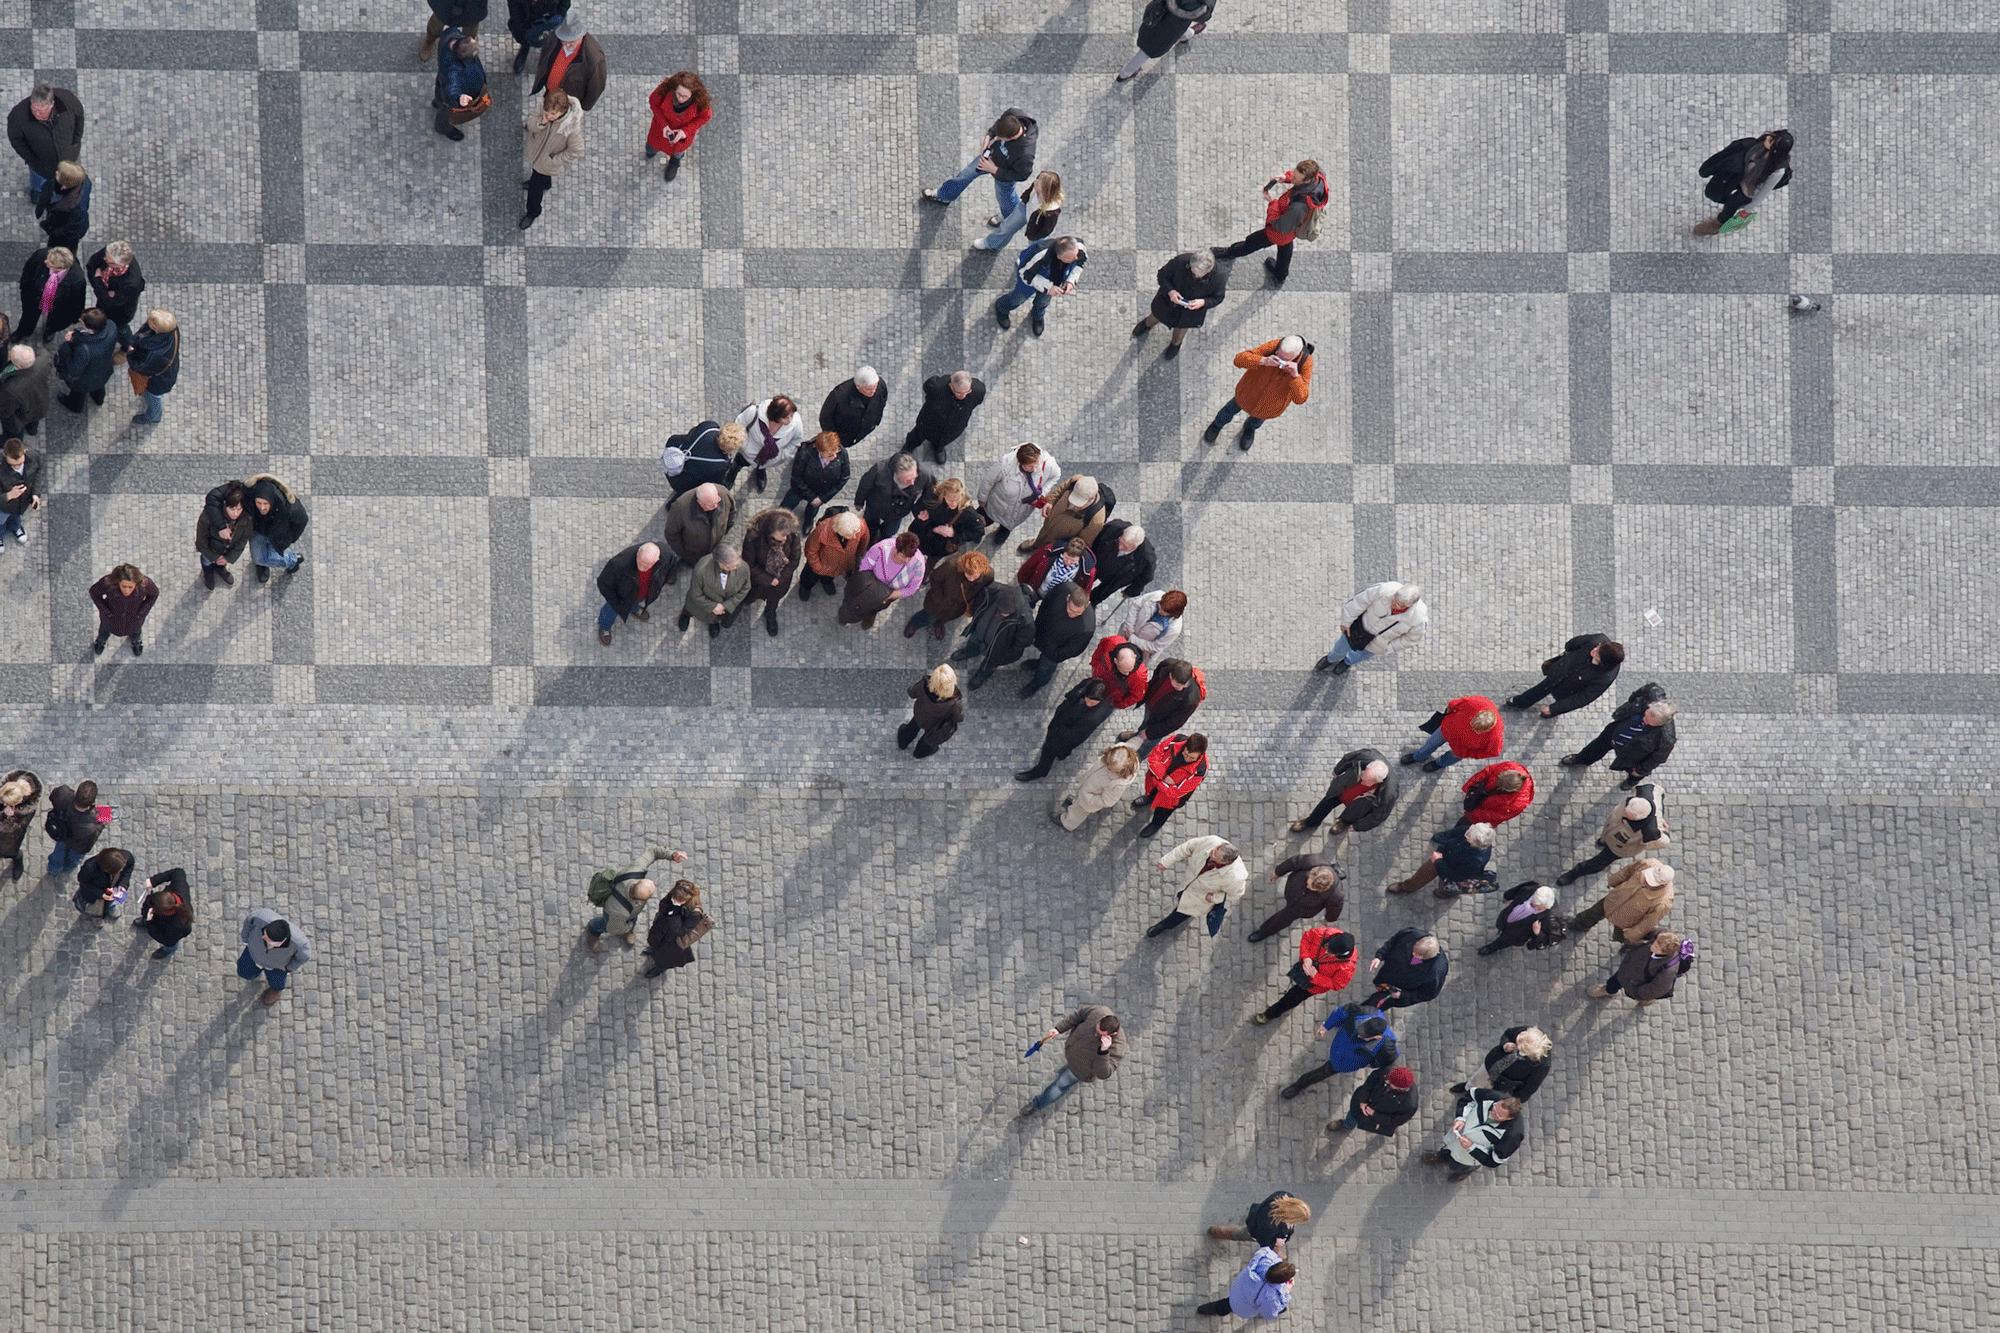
x: 1036, y: 567
x: 1459, y: 735
x: 1333, y: 974
x: 1171, y: 777
x: 1275, y: 209
x: 1497, y: 807
x: 1121, y: 691
x: 666, y: 118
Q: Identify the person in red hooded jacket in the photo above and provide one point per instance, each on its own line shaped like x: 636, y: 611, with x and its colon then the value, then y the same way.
x: 1497, y: 793
x: 1285, y: 212
x: 1468, y: 728
x: 681, y: 107
x: 1172, y: 774
x: 1326, y: 964
x: 1119, y: 665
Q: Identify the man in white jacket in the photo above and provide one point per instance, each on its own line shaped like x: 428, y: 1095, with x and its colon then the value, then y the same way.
x: 1379, y: 618
x: 1220, y: 878
x: 1152, y: 621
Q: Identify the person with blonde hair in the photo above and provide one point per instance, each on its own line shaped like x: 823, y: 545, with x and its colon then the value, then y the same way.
x: 63, y: 206
x: 1271, y: 1222
x: 1098, y: 787
x: 678, y: 924
x: 833, y: 552
x: 946, y: 520
x: 154, y: 362
x: 955, y: 584
x: 1516, y: 1065
x: 52, y: 293
x: 1041, y: 204
x: 20, y: 800
x: 117, y: 283
x: 551, y: 144
x: 939, y: 708
x: 706, y: 453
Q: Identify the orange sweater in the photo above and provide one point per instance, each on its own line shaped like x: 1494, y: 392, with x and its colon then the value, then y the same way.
x: 1265, y: 391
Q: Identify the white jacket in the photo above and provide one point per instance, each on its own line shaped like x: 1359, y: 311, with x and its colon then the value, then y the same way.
x: 1208, y: 887
x: 1132, y: 618
x: 1007, y: 497
x: 1391, y: 629
x: 754, y: 419
x: 1096, y: 788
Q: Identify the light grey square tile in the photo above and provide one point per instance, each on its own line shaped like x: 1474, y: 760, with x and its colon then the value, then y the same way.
x: 613, y: 371
x: 1720, y: 578
x: 1482, y: 376
x: 1700, y: 380
x: 378, y: 603
x: 1495, y: 577
x: 1914, y: 561
x: 378, y: 368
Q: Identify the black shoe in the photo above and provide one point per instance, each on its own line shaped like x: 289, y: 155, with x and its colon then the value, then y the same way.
x: 14, y: 871
x: 159, y: 955
x: 673, y: 166
x: 1458, y: 1090
x: 1159, y: 928
x: 1141, y: 802
x: 138, y: 646
x: 1433, y: 766
x: 1030, y: 690
x: 222, y: 572
x: 1139, y: 329
x: 1567, y: 878
x: 1324, y: 664
x: 97, y: 647
x: 1290, y: 1091
x: 1213, y: 1307
x: 1149, y: 831
x: 1172, y: 350
x: 298, y: 563
x: 1488, y: 950
x: 528, y: 220
x: 1342, y: 667
x: 1511, y: 706
x: 683, y: 620
x: 97, y: 396
x: 208, y: 577
x: 655, y: 970
x: 454, y: 133
x: 805, y: 591
x: 1409, y: 758
x: 714, y: 630
x: 1256, y: 936
x: 1246, y: 437
x: 1031, y: 775
x: 263, y: 573
x: 520, y: 60
x: 1277, y: 275
x: 1571, y: 761
x: 905, y: 734
x: 1212, y: 434
x: 759, y: 479
x: 73, y: 401
x: 1000, y: 317
x: 1034, y: 327
x: 771, y: 620
x: 1628, y: 784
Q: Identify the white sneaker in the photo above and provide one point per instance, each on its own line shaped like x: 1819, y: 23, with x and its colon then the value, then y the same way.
x: 21, y: 537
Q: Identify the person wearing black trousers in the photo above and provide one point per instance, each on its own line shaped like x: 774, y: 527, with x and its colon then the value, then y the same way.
x: 949, y: 401
x: 1517, y: 1064
x: 1409, y: 969
x: 1743, y: 175
x: 936, y: 714
x: 1363, y: 789
x: 98, y: 881
x: 1313, y: 885
x: 1582, y: 671
x: 1524, y: 920
x: 1641, y: 731
x: 165, y: 913
x: 1076, y: 719
x: 677, y: 926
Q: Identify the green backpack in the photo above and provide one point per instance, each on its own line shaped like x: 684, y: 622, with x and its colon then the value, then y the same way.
x: 604, y: 883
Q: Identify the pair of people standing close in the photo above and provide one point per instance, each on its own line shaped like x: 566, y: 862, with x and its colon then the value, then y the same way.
x: 570, y: 78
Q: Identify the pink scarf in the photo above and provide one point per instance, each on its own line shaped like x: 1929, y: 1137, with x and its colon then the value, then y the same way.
x: 49, y: 291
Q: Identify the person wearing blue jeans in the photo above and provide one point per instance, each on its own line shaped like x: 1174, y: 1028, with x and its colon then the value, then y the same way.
x: 1095, y: 1045
x: 1046, y: 269
x: 1008, y: 156
x: 64, y: 859
x: 155, y: 355
x: 274, y: 949
x: 1385, y: 615
x: 279, y: 519
x: 1432, y: 744
x: 76, y: 827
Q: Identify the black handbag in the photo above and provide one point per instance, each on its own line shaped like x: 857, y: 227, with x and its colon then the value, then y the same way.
x: 1436, y: 719
x: 1359, y: 637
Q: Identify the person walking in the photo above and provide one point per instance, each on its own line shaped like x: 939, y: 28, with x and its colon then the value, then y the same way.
x: 1151, y: 622
x: 1314, y: 886
x: 1176, y: 690
x: 999, y: 632
x: 853, y: 407
x: 946, y: 520
x: 1276, y: 375
x: 20, y: 489
x: 85, y: 359
x: 892, y: 570
x: 551, y: 143
x: 572, y: 62
x: 681, y: 106
x: 1517, y: 1064
x: 1041, y: 204
x: 773, y: 549
x: 776, y: 427
x: 707, y: 453
x: 101, y: 884
x: 26, y: 385
x: 1326, y: 964
x: 1640, y: 737
x: 890, y: 489
x: 1220, y: 878
x: 63, y: 206
x: 695, y: 525
x: 1272, y: 1222
x: 1098, y: 787
x: 1288, y: 214
x: 117, y: 284
x: 1173, y: 771
x: 1527, y: 920
x: 1126, y: 563
x: 124, y: 598
x: 1007, y: 154
x: 630, y: 583
x: 1382, y: 617
x: 1091, y: 1053
x: 955, y: 584
x: 1574, y: 677
x: 1047, y: 269
x: 680, y: 923
x: 459, y: 91
x: 1497, y: 793
x: 833, y: 552
x: 1362, y: 1039
x: 447, y: 15
x: 166, y: 913
x: 278, y: 519
x: 1469, y: 727
x: 74, y: 823
x: 1064, y: 626
x: 222, y: 532
x: 20, y: 800
x: 623, y: 894
x: 1408, y: 969
x: 1015, y: 488
x: 1635, y: 825
x: 1486, y: 1132
x: 1263, y: 1290
x: 935, y: 715
x: 46, y: 130
x: 1082, y: 711
x: 1648, y: 969
x: 1077, y: 507
x: 1459, y: 857
x: 153, y: 361
x: 531, y: 22
x: 273, y: 949
x: 1166, y: 24
x: 949, y: 402
x: 1742, y: 176
x: 1383, y: 1103
x: 1363, y: 789
x: 717, y: 589
x: 1190, y: 285
x: 819, y: 472
x: 52, y: 293
x: 1640, y: 895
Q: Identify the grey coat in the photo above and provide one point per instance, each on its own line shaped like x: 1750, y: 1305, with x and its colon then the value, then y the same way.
x: 296, y: 953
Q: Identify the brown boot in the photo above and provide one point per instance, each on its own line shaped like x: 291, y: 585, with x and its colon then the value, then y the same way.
x: 1404, y: 886
x: 1707, y: 227
x: 271, y: 997
x: 1223, y: 1233
x: 427, y: 50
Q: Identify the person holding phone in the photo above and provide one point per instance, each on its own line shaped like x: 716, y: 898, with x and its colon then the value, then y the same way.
x: 1007, y: 154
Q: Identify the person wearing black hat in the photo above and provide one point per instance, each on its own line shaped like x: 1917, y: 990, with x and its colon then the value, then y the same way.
x: 1385, y: 1100
x: 1362, y: 1038
x: 1326, y: 964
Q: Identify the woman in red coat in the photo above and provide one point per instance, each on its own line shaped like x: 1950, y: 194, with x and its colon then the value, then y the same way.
x: 1118, y: 664
x: 680, y: 108
x: 1497, y: 793
x: 1285, y: 212
x: 1469, y: 727
x: 1175, y: 769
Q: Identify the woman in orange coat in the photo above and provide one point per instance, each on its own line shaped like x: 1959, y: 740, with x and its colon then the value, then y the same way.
x: 1175, y: 769
x: 680, y: 108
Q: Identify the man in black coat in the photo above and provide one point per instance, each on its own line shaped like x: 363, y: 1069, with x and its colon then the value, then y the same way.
x: 1082, y: 711
x: 889, y: 490
x: 1583, y: 670
x: 83, y: 359
x: 1364, y: 789
x: 531, y: 21
x: 278, y: 520
x: 155, y: 354
x: 46, y: 129
x: 1386, y: 1099
x: 117, y: 282
x: 1173, y: 692
x: 1641, y: 732
x: 998, y: 632
x: 1190, y: 286
x: 1065, y: 627
x: 853, y: 409
x: 630, y: 582
x: 26, y: 386
x: 1126, y: 561
x: 1409, y: 969
x: 949, y: 401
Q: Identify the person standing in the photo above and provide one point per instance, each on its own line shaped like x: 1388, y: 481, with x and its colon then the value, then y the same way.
x: 1640, y: 737
x: 166, y: 913
x: 222, y: 532
x: 892, y: 570
x: 52, y: 293
x: 1118, y: 665
x: 573, y: 62
x: 273, y: 949
x: 1176, y: 690
x: 1263, y: 1290
x: 74, y: 823
x: 1486, y: 1132
x: 1382, y: 617
x: 20, y: 799
x: 1000, y: 631
x: 949, y: 402
x: 63, y: 205
x: 853, y: 407
x: 85, y: 359
x: 1289, y: 213
x: 1041, y: 206
x: 1091, y: 1052
x: 1497, y: 793
x: 1469, y: 727
x: 718, y: 587
x: 677, y: 926
x: 1076, y: 719
x: 1525, y: 920
x: 1098, y: 787
x: 1272, y: 1222
x: 1220, y: 879
x: 1363, y: 789
x: 1276, y: 375
x: 123, y: 598
x: 117, y: 283
x: 707, y: 453
x: 956, y: 582
x: 1173, y: 771
x: 833, y: 552
x: 1326, y: 964
x: 1574, y: 677
x: 278, y: 519
x: 1640, y: 896
x: 818, y: 473
x: 1314, y: 885
x: 695, y: 525
x: 1167, y: 23
x: 623, y: 894
x: 1742, y: 176
x: 101, y: 883
x: 1064, y: 626
x: 630, y: 582
x: 1517, y: 1065
x: 773, y: 548
x: 1190, y: 286
x: 1383, y: 1103
x: 681, y: 106
x: 946, y: 520
x: 20, y: 489
x: 776, y: 428
x: 531, y: 22
x: 1150, y: 622
x: 1408, y: 969
x: 1077, y: 507
x: 26, y: 385
x: 1055, y: 565
x: 153, y: 360
x: 552, y: 142
x: 1007, y: 154
x: 1635, y: 825
x: 459, y: 92
x: 1046, y: 269
x: 1649, y: 968
x: 446, y: 15
x: 46, y: 130
x: 889, y: 490
x: 935, y: 715
x: 1460, y: 857
x: 1016, y: 487
x: 1362, y: 1038
x: 1126, y: 563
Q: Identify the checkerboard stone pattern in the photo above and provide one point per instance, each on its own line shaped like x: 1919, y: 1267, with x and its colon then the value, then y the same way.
x: 1534, y: 391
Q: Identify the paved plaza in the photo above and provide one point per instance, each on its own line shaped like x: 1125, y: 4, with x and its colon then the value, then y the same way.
x: 1534, y: 392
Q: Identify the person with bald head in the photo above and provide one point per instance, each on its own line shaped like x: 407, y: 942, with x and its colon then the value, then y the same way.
x: 1276, y: 375
x: 1469, y: 727
x: 696, y: 524
x: 949, y: 401
x: 1363, y: 790
x: 27, y: 386
x: 623, y: 894
x: 1635, y: 825
x: 853, y: 408
x: 1641, y: 895
x: 630, y: 582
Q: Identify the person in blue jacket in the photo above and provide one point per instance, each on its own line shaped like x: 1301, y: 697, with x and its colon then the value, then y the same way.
x: 1046, y: 269
x: 461, y: 79
x: 1362, y: 1038
x: 1261, y: 1291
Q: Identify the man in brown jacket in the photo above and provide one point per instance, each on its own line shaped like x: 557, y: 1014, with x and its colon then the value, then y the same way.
x: 1095, y: 1046
x: 583, y: 68
x: 1640, y: 897
x: 695, y: 524
x: 1077, y: 507
x: 1635, y: 825
x: 1313, y: 885
x: 1276, y: 375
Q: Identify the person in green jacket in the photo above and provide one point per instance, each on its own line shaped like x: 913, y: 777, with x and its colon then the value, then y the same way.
x: 625, y: 893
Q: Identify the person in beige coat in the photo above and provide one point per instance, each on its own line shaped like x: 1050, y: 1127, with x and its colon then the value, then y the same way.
x: 1078, y: 507
x: 552, y: 142
x: 1098, y: 787
x: 1220, y: 878
x: 719, y: 585
x: 1641, y: 895
x: 1634, y: 826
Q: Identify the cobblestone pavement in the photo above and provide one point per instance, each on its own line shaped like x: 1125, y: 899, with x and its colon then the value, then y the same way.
x: 1534, y: 391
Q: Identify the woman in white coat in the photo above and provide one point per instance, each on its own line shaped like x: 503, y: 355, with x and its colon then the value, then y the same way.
x: 1220, y: 878
x: 772, y: 429
x: 1098, y: 787
x: 1015, y: 488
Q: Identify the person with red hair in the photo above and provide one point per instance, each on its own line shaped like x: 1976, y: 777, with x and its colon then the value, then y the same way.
x: 681, y: 106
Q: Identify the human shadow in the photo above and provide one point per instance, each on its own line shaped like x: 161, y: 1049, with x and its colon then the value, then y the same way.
x: 166, y: 1124
x: 496, y: 1118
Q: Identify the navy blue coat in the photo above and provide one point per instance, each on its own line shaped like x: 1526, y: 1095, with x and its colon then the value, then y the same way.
x: 156, y: 356
x: 83, y: 359
x: 455, y: 77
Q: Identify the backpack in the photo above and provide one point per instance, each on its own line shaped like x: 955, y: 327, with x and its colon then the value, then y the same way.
x: 1555, y: 929
x: 672, y: 460
x: 603, y: 885
x: 56, y: 825
x: 1309, y: 224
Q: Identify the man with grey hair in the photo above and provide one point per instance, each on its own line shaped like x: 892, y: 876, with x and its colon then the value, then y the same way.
x: 26, y: 389
x: 1380, y: 618
x: 1126, y: 561
x: 1190, y: 286
x: 46, y: 129
x: 719, y: 585
x: 1635, y: 825
x: 854, y: 408
x: 949, y: 401
x: 1363, y: 789
x: 1640, y: 736
x: 695, y: 523
x: 1276, y: 375
x: 889, y: 490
